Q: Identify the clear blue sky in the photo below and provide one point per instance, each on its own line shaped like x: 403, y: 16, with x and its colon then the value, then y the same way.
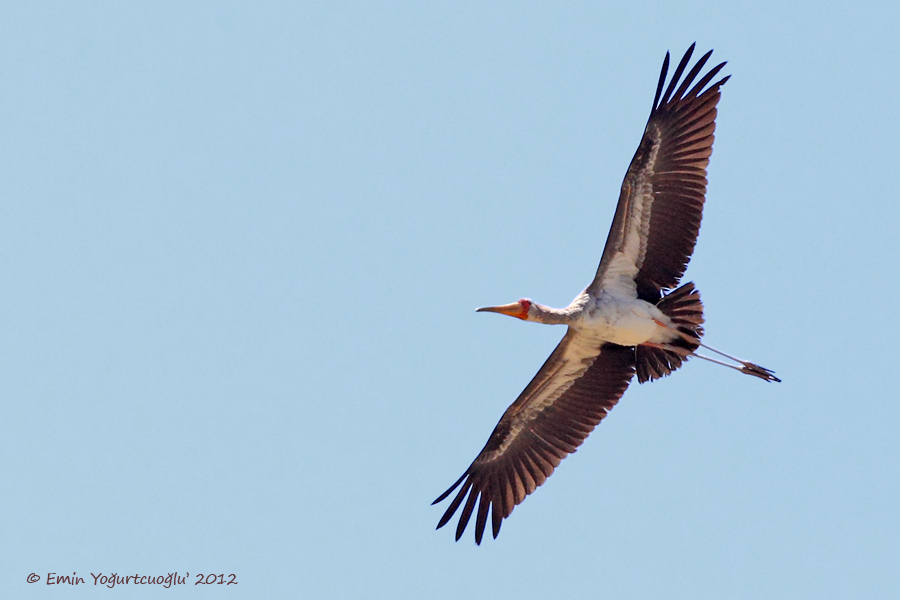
x: 241, y: 245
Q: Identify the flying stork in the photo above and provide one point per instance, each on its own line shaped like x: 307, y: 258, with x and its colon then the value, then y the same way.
x: 631, y: 319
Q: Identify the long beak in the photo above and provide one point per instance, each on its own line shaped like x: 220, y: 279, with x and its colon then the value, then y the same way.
x: 513, y: 310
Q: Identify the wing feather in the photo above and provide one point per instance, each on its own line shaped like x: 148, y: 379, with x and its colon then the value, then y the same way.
x: 569, y: 396
x: 661, y: 203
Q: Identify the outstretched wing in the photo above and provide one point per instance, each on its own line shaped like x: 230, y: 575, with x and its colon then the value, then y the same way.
x: 568, y: 397
x: 661, y: 203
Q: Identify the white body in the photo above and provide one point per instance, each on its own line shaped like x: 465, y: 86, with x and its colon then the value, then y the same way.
x: 625, y: 321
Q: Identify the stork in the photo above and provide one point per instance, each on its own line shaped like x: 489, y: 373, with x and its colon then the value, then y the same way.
x: 632, y: 318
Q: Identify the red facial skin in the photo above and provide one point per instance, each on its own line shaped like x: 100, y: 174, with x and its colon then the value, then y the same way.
x: 525, y: 303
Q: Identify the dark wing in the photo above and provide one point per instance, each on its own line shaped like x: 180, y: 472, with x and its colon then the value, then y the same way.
x: 661, y: 203
x: 567, y: 398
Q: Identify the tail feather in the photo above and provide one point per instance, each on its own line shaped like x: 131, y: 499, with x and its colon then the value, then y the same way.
x: 684, y: 308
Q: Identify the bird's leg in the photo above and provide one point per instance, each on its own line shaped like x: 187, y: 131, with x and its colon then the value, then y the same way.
x: 685, y: 353
x: 746, y: 367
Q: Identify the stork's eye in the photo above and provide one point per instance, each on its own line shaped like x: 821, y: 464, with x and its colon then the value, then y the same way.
x: 526, y: 303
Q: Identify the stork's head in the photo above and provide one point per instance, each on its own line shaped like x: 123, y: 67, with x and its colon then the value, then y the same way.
x: 519, y: 309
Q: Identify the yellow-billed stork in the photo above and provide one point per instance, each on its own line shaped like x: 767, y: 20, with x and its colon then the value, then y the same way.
x: 632, y: 318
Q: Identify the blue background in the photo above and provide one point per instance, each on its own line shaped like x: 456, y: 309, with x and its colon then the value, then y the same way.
x: 241, y: 245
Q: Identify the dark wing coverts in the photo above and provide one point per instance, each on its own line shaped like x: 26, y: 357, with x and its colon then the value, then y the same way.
x: 661, y: 203
x: 567, y: 398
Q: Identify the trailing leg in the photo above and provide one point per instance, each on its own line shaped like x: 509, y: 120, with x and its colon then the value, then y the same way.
x: 686, y: 304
